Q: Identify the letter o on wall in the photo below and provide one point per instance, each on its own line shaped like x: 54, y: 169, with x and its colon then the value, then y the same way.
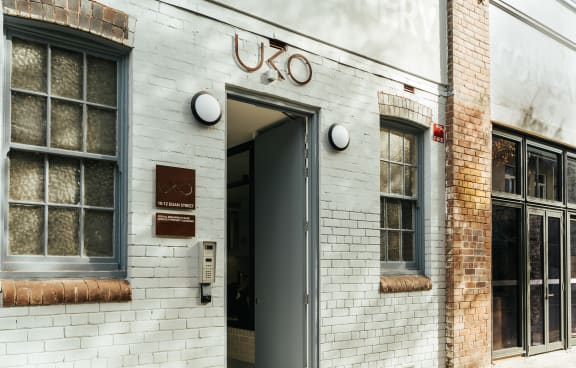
x: 303, y: 60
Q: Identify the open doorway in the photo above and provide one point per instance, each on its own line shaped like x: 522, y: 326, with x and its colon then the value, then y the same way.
x: 268, y: 263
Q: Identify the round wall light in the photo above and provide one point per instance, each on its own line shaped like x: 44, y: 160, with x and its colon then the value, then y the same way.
x: 206, y: 108
x: 339, y: 137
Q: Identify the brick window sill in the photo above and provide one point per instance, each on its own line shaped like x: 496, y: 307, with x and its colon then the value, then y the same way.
x: 404, y: 283
x: 16, y: 293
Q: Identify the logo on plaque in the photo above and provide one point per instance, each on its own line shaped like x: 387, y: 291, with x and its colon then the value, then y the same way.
x: 175, y: 187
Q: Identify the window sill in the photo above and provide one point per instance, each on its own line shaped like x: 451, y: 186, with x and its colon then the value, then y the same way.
x: 17, y: 293
x: 404, y: 283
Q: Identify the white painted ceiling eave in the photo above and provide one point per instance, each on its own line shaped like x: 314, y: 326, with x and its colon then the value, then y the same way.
x: 244, y: 120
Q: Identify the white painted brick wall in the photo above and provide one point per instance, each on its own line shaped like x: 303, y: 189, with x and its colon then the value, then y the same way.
x: 176, y: 54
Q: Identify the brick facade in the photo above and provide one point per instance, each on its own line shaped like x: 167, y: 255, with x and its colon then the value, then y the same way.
x: 85, y: 15
x: 401, y: 107
x: 468, y: 167
x: 178, y: 52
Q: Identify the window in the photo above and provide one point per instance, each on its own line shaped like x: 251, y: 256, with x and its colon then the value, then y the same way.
x: 399, y: 215
x: 505, y: 168
x: 533, y: 197
x: 506, y: 277
x: 65, y: 158
x: 571, y: 179
x: 543, y: 174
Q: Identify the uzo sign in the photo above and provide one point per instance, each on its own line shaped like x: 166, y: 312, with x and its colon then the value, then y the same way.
x: 271, y: 61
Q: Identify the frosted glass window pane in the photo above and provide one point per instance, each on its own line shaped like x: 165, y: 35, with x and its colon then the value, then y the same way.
x: 410, y: 149
x: 383, y: 220
x: 384, y: 177
x: 393, y: 213
x: 384, y: 144
x: 101, y: 81
x: 26, y: 176
x: 99, y: 183
x: 67, y: 73
x: 410, y: 181
x: 66, y: 125
x: 396, y: 178
x: 101, y: 137
x: 393, y: 245
x: 63, y: 227
x: 408, y: 247
x: 28, y: 65
x: 407, y: 218
x: 396, y: 146
x: 26, y: 230
x: 64, y: 181
x: 383, y: 245
x: 98, y: 230
x: 28, y: 123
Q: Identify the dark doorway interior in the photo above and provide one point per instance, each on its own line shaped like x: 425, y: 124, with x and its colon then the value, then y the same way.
x: 266, y: 237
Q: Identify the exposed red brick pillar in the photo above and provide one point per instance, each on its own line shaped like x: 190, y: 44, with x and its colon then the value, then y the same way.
x: 468, y: 186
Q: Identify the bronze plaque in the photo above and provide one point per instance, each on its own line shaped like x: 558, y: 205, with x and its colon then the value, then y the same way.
x: 170, y: 224
x: 175, y: 187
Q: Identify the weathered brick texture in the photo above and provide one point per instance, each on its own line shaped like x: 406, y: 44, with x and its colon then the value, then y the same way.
x: 396, y: 284
x: 404, y: 108
x: 86, y: 15
x: 468, y: 158
x: 49, y: 292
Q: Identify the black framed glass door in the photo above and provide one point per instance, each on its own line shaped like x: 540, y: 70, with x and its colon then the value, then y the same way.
x: 572, y: 277
x: 545, y: 281
x: 507, y: 286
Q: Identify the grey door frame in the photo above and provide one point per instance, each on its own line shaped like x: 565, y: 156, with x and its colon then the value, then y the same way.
x: 313, y: 205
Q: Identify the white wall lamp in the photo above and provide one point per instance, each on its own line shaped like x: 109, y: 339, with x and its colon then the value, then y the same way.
x: 206, y: 108
x: 339, y: 137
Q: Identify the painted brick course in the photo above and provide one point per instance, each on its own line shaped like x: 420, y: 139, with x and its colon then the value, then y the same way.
x: 468, y: 187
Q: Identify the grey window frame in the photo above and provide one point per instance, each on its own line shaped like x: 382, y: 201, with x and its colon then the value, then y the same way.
x: 66, y: 267
x: 388, y: 268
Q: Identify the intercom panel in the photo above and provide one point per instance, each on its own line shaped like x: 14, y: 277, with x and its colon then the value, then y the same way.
x: 208, y: 262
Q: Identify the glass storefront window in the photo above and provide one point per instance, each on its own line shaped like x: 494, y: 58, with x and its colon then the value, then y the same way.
x: 571, y: 180
x: 532, y: 251
x: 506, y: 312
x: 543, y: 174
x: 505, y: 168
x: 536, y: 254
